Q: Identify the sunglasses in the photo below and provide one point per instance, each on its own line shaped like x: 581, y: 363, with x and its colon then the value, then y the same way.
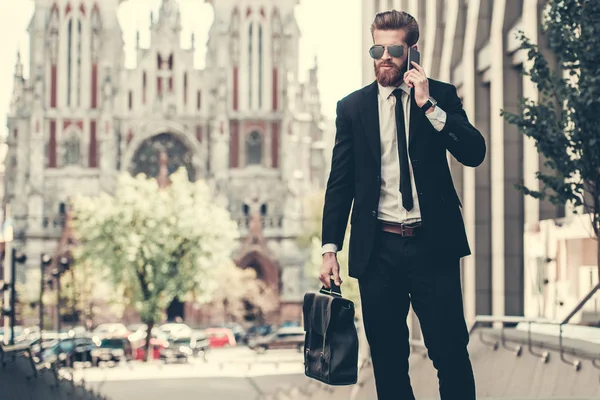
x: 376, y: 51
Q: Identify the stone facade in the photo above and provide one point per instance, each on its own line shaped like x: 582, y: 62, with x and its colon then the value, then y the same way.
x: 245, y: 123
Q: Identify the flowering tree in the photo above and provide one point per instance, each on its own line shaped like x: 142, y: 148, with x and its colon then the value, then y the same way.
x: 237, y: 288
x: 154, y: 243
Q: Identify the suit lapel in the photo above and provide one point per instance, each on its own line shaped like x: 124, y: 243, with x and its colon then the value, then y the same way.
x: 415, y: 120
x: 370, y: 118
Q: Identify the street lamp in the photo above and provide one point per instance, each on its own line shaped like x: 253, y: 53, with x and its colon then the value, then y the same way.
x: 10, y: 312
x: 63, y: 265
x: 45, y: 261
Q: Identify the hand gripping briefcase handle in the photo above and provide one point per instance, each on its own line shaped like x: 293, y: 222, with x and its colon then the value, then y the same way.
x: 334, y: 290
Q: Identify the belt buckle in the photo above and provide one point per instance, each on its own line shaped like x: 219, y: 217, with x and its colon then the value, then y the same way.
x: 403, y: 229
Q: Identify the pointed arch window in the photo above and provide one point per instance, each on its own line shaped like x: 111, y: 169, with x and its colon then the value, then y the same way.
x: 72, y: 150
x: 250, y: 59
x: 78, y: 59
x: 254, y: 148
x: 74, y: 45
x: 69, y: 65
x: 260, y: 65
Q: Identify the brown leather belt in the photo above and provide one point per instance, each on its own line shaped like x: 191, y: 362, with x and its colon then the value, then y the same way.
x: 407, y: 230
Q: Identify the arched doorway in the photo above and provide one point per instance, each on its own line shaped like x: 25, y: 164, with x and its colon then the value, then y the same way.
x: 267, y: 271
x: 146, y: 157
x: 175, y: 310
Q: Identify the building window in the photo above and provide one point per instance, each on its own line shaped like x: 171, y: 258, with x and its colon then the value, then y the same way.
x: 198, y: 99
x: 146, y: 157
x: 260, y: 65
x: 78, y: 58
x: 253, y: 148
x: 74, y: 43
x: 69, y: 66
x: 72, y: 150
x: 130, y: 100
x: 250, y: 64
x: 185, y: 88
x: 144, y: 83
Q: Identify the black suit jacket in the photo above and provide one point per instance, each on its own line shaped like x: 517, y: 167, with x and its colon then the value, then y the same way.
x: 356, y: 169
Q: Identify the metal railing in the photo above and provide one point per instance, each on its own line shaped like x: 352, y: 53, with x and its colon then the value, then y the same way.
x: 39, y: 365
x: 545, y: 355
x: 26, y: 349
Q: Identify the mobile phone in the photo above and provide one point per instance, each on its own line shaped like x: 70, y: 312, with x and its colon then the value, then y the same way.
x: 413, y: 55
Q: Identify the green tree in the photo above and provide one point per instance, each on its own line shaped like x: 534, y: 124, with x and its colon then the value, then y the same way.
x: 155, y: 243
x: 565, y: 121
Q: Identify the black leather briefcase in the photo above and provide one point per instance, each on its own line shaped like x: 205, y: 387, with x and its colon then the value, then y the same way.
x: 331, y: 341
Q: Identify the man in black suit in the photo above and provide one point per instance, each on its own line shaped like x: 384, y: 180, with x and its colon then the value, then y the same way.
x: 407, y: 234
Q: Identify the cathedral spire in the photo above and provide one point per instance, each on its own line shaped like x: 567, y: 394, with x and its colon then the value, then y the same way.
x: 18, y: 66
x: 169, y: 15
x: 18, y: 86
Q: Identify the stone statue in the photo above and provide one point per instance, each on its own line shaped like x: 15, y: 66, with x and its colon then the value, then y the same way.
x: 38, y: 88
x: 107, y: 90
x: 163, y: 171
x: 255, y: 226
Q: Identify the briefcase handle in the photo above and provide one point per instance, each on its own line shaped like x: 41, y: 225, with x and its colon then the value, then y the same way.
x: 334, y: 289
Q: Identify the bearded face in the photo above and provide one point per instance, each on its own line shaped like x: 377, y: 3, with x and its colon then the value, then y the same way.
x: 389, y: 70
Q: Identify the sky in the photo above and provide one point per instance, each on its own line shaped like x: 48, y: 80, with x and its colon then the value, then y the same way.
x: 330, y: 31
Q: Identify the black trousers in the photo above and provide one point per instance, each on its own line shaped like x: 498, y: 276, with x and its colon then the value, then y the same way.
x: 403, y: 270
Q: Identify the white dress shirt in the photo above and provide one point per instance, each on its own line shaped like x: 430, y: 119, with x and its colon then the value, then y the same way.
x: 390, y: 200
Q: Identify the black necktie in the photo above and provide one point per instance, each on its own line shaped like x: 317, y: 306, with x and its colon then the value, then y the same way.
x: 405, y: 187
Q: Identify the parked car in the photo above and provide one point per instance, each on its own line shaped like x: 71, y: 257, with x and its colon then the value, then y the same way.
x: 238, y: 331
x: 71, y: 350
x: 200, y: 343
x: 114, y: 349
x: 220, y: 337
x: 178, y: 349
x: 176, y: 329
x: 283, y: 338
x: 158, y: 341
x: 257, y: 331
x: 111, y: 330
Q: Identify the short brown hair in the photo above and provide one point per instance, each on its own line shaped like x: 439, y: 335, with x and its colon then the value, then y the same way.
x: 395, y: 20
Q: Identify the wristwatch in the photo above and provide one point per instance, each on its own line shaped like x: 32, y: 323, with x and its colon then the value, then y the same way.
x: 431, y: 102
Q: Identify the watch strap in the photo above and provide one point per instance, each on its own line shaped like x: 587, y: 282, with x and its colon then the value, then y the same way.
x: 430, y: 103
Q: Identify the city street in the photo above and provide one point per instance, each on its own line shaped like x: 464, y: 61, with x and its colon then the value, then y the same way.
x: 228, y: 374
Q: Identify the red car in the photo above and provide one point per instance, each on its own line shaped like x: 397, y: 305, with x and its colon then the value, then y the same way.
x: 158, y: 342
x: 220, y: 337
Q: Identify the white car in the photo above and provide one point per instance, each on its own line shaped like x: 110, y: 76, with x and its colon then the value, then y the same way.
x: 176, y: 329
x: 110, y: 330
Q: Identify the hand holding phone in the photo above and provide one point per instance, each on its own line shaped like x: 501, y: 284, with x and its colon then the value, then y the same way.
x: 413, y: 55
x: 416, y: 78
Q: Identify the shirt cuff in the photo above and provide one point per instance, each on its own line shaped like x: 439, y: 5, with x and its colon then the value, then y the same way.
x: 329, y: 248
x: 437, y: 118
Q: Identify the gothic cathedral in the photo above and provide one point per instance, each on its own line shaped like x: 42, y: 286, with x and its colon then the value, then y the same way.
x: 245, y: 124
